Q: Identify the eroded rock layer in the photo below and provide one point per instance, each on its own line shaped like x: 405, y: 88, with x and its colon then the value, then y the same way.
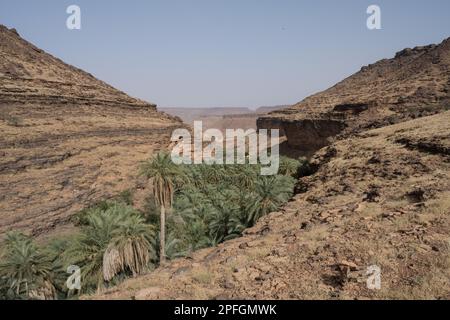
x: 67, y: 139
x: 415, y: 83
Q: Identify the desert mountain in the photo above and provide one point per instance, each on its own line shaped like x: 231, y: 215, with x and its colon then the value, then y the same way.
x: 67, y: 139
x: 415, y: 83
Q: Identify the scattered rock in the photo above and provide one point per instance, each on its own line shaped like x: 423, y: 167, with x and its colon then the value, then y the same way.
x: 416, y: 195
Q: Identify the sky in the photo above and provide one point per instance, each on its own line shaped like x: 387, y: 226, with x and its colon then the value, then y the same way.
x: 225, y: 53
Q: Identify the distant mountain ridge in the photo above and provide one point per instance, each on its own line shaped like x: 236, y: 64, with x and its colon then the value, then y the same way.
x: 188, y: 115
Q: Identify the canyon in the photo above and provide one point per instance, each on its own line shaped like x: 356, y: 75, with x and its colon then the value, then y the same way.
x: 377, y: 192
x: 377, y: 195
x: 380, y: 198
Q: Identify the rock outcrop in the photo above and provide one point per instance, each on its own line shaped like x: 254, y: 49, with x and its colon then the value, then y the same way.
x: 67, y: 139
x: 415, y: 83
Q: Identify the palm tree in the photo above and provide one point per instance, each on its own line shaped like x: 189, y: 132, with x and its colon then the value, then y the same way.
x: 224, y: 223
x: 189, y: 199
x: 213, y: 173
x: 271, y: 192
x: 130, y: 248
x: 3, y: 288
x: 197, y: 234
x: 26, y: 270
x: 246, y: 177
x: 288, y: 166
x: 113, y: 241
x: 164, y: 175
x: 89, y: 247
x: 87, y: 252
x: 175, y: 247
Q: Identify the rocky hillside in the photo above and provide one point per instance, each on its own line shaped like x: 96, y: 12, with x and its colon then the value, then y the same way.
x: 415, y: 83
x: 377, y: 196
x: 381, y: 198
x: 67, y: 139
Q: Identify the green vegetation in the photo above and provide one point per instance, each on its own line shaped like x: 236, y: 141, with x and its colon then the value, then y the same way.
x: 26, y: 271
x: 189, y: 207
x: 114, y: 242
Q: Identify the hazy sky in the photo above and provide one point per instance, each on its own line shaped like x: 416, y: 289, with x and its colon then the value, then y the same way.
x: 211, y: 53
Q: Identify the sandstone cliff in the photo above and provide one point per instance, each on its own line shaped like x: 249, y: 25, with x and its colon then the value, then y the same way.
x: 67, y: 139
x: 415, y: 83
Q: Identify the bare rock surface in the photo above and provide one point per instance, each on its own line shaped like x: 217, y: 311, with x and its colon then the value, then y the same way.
x: 413, y: 84
x: 67, y: 139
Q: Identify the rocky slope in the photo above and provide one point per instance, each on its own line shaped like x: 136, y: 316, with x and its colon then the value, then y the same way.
x: 67, y: 139
x: 415, y: 83
x: 380, y: 198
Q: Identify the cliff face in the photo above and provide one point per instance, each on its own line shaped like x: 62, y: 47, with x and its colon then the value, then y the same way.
x: 415, y: 83
x: 67, y: 139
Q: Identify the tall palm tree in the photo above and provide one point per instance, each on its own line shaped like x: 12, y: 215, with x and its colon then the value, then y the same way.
x: 164, y: 175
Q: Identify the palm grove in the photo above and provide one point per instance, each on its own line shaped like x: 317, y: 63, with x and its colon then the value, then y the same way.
x: 190, y: 207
